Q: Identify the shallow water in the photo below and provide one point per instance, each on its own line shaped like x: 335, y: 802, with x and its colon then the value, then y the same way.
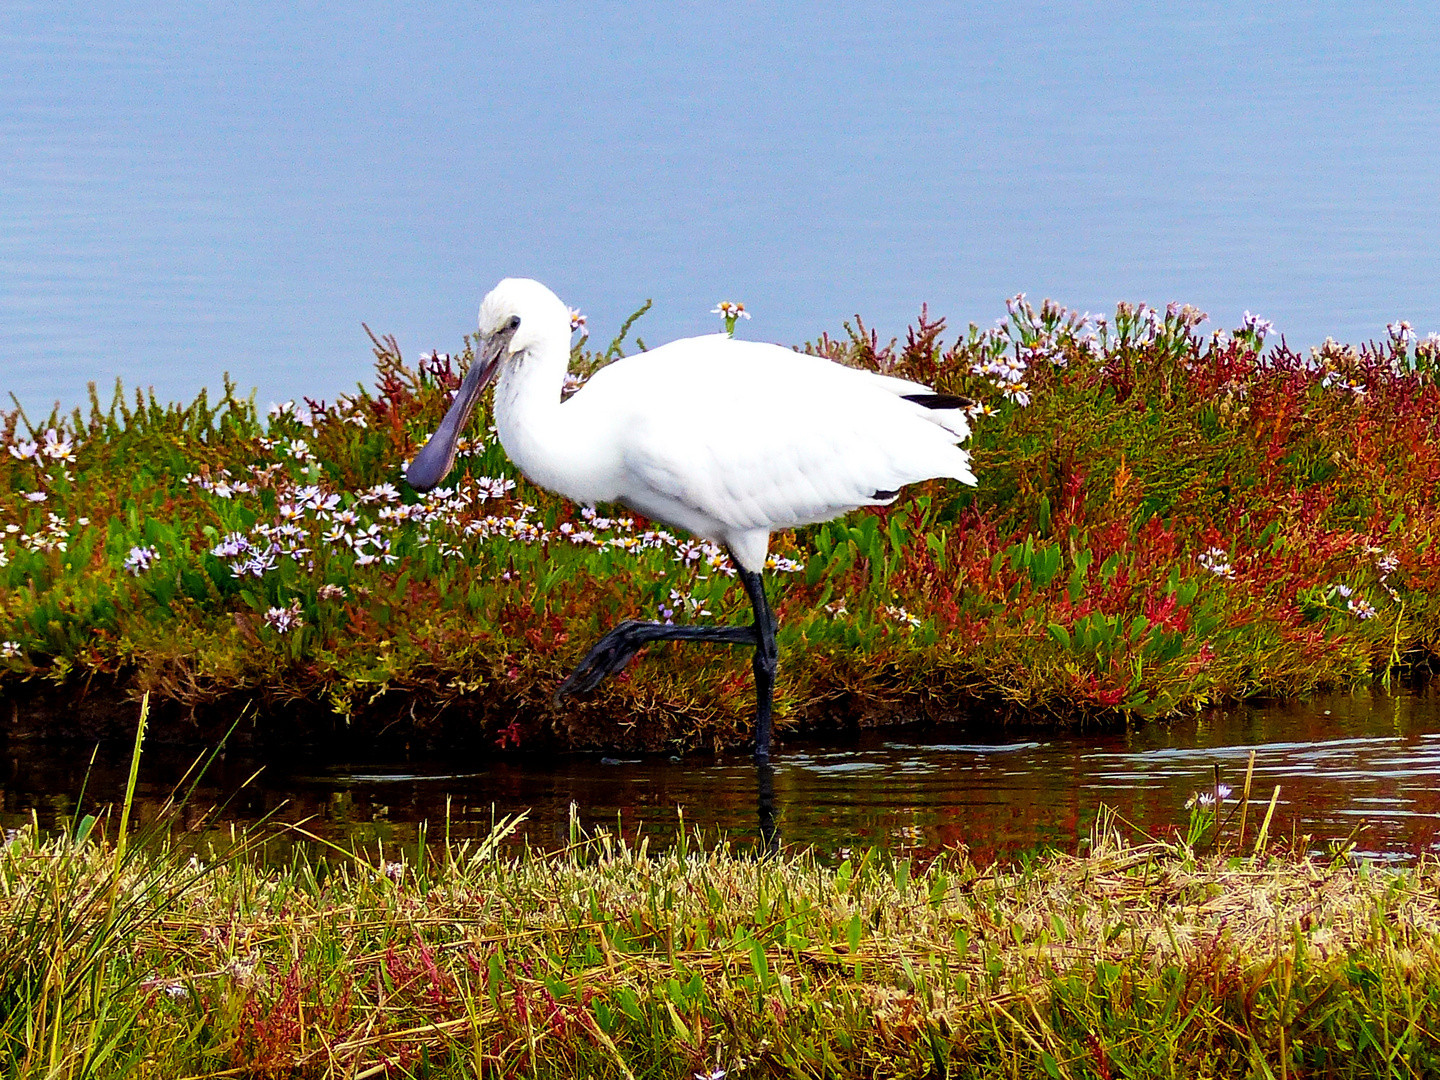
x: 1342, y: 764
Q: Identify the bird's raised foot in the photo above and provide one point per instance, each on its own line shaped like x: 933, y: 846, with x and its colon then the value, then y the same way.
x: 612, y: 652
x: 607, y: 657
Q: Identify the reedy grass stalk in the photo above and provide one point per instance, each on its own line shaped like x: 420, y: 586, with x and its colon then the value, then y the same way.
x: 73, y: 908
x: 122, y: 835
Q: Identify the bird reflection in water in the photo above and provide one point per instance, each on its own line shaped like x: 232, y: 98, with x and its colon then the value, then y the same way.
x: 769, y: 829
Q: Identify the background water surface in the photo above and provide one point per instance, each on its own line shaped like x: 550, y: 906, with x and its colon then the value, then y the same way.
x: 192, y: 187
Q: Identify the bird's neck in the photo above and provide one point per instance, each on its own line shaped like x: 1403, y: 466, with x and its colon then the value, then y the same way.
x: 533, y: 426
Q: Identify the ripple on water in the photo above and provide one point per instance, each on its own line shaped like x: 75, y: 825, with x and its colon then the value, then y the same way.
x: 1370, y: 762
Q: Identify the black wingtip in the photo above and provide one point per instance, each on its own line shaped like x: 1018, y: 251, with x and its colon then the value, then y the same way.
x: 940, y: 401
x: 886, y: 494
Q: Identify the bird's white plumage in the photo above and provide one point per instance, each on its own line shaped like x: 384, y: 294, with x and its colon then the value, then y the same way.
x: 728, y: 439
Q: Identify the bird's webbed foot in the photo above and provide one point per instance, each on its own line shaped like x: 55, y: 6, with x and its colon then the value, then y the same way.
x: 607, y: 657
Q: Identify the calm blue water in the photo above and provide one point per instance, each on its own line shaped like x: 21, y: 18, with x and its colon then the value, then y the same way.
x: 189, y: 188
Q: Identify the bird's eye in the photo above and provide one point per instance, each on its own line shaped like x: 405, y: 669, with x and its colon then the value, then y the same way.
x: 514, y: 323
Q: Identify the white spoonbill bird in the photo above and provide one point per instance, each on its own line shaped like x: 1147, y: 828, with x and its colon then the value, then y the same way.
x: 728, y: 439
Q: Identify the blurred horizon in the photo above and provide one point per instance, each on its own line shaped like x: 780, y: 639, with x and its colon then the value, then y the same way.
x: 195, y: 188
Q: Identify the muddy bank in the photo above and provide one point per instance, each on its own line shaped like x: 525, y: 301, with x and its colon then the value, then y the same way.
x: 106, y: 711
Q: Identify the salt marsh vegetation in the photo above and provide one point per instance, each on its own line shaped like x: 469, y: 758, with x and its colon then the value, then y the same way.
x: 1165, y: 519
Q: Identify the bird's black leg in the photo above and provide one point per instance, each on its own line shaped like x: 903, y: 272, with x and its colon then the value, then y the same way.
x: 767, y: 658
x: 612, y: 652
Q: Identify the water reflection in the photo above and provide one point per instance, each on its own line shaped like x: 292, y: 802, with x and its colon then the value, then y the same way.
x: 1339, y: 763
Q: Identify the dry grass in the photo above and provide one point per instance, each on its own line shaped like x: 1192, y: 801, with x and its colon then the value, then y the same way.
x: 604, y: 959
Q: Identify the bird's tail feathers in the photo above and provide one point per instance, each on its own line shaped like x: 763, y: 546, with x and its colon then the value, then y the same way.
x: 948, y: 411
x: 961, y: 470
x: 955, y: 421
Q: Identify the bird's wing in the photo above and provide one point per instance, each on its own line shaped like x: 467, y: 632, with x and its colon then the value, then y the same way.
x: 718, y: 354
x: 716, y: 360
x: 761, y: 437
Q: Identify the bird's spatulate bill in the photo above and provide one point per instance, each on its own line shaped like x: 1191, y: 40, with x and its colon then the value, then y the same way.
x: 436, y: 457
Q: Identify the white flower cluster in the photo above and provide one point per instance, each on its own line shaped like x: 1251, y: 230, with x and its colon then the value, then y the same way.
x: 298, y: 449
x: 1355, y: 605
x: 54, y: 535
x: 223, y: 488
x: 515, y: 527
x: 1204, y: 800
x: 1134, y: 324
x: 1254, y: 324
x: 1012, y: 345
x: 493, y: 487
x: 305, y: 511
x: 141, y: 559
x: 246, y: 559
x: 1009, y: 374
x: 578, y: 321
x: 284, y: 619
x: 287, y: 410
x: 1042, y: 335
x: 1217, y: 561
x: 1401, y: 333
x: 699, y: 553
x: 900, y: 615
x: 1344, y: 382
x: 9, y: 650
x: 1342, y: 366
x: 573, y: 382
x: 626, y: 540
x: 52, y: 446
x: 1387, y: 564
x: 379, y: 493
x: 686, y: 603
x: 171, y: 988
x: 693, y: 551
x: 289, y: 536
x: 728, y: 309
x: 1146, y: 323
x: 366, y: 523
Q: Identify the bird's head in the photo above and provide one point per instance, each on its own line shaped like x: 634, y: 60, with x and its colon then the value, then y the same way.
x: 519, y: 314
x: 516, y: 316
